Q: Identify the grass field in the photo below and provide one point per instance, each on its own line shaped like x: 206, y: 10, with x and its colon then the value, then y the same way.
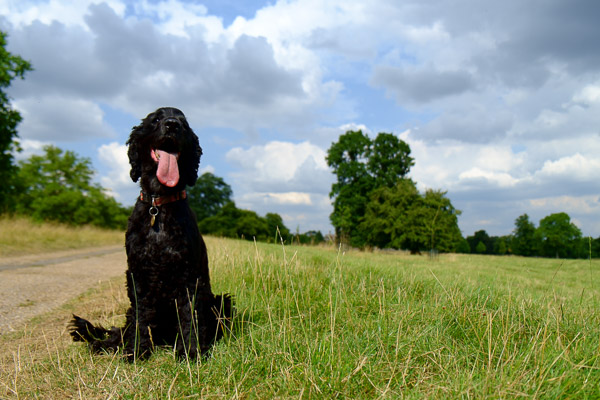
x: 316, y: 322
x: 20, y: 235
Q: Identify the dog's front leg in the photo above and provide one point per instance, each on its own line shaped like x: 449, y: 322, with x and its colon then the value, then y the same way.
x: 137, y: 336
x: 191, y: 331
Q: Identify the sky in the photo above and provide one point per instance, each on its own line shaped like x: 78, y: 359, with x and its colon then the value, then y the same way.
x: 499, y: 101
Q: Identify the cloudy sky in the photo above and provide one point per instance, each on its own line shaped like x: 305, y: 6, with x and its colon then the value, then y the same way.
x: 499, y: 101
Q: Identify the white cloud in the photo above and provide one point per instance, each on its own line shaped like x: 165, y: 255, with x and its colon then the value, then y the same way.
x: 291, y: 179
x: 502, y: 180
x: 58, y: 118
x: 30, y: 147
x: 25, y: 12
x: 277, y: 165
x: 117, y: 180
x: 588, y: 95
x: 576, y: 167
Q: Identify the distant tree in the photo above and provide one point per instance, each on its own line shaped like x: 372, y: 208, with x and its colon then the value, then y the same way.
x: 463, y: 246
x: 389, y: 160
x: 310, y: 237
x: 400, y: 217
x: 501, y: 245
x: 524, y: 239
x: 11, y: 67
x: 361, y: 166
x: 594, y: 247
x: 208, y: 195
x: 483, y: 237
x: 348, y: 159
x: 441, y: 221
x: 386, y: 222
x: 233, y: 222
x: 480, y: 248
x: 57, y: 186
x: 558, y: 236
x: 275, y: 224
x: 250, y: 226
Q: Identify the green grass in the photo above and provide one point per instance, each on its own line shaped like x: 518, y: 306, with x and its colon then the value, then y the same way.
x: 319, y: 323
x: 19, y: 235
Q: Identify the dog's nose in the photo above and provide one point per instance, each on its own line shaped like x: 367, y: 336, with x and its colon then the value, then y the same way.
x: 172, y: 125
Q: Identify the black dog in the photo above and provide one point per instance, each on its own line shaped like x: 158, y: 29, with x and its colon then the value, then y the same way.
x: 168, y: 282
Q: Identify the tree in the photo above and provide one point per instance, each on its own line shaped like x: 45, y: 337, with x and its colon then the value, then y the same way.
x: 441, y: 221
x: 57, y: 186
x: 501, y: 245
x: 389, y: 160
x: 348, y: 158
x: 524, y: 240
x: 11, y: 67
x: 208, y: 195
x: 480, y: 248
x: 385, y: 222
x: 310, y: 237
x: 483, y: 237
x: 401, y: 218
x: 558, y: 236
x: 232, y: 222
x: 275, y: 224
x: 361, y: 166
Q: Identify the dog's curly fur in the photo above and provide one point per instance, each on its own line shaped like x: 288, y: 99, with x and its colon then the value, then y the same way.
x: 168, y: 280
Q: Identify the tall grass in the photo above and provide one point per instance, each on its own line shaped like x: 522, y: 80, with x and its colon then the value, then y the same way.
x: 19, y: 235
x: 321, y: 323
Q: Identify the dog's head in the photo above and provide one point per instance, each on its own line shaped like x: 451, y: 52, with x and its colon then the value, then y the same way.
x: 164, y: 151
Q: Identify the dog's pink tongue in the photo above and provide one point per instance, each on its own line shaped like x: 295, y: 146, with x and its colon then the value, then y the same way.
x: 168, y: 170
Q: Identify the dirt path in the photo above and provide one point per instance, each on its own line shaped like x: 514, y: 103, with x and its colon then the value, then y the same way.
x: 33, y: 284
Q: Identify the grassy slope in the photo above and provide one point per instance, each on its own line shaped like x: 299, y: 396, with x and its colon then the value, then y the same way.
x: 22, y: 236
x: 315, y: 323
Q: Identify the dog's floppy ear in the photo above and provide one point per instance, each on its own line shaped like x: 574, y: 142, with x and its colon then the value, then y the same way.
x: 134, y: 152
x: 191, y: 161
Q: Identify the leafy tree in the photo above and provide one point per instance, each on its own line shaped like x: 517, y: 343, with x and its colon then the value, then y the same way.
x: 275, y: 224
x: 501, y: 245
x: 480, y: 248
x: 208, y: 195
x: 441, y: 221
x: 11, y: 67
x: 310, y: 237
x: 463, y: 246
x: 57, y: 186
x: 558, y: 236
x: 386, y: 223
x: 400, y: 217
x: 348, y: 158
x: 389, y: 160
x: 361, y: 166
x: 483, y: 237
x: 233, y: 222
x: 431, y: 223
x: 524, y: 239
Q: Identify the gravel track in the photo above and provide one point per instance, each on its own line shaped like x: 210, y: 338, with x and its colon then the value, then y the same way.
x: 33, y: 284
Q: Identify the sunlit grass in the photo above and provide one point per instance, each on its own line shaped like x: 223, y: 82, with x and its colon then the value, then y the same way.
x: 19, y: 235
x: 321, y: 323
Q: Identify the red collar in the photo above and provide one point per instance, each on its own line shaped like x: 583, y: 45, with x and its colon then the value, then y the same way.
x: 160, y: 200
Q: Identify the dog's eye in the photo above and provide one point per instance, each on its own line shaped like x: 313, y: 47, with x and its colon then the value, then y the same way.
x: 156, y: 120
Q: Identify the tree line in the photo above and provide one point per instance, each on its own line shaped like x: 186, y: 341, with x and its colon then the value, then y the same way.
x: 555, y: 236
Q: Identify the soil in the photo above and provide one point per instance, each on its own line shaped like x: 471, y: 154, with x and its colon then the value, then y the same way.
x: 34, y: 284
